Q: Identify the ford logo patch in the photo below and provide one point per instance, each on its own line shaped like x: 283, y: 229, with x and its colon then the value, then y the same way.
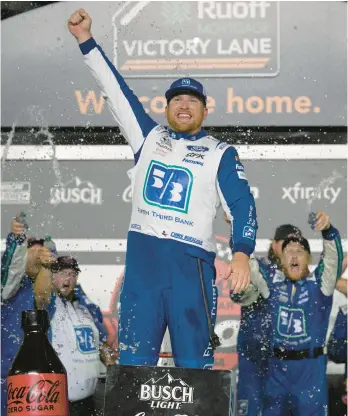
x: 198, y: 148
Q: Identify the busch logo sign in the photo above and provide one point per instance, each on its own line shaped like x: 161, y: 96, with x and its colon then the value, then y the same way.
x: 76, y: 191
x: 166, y: 392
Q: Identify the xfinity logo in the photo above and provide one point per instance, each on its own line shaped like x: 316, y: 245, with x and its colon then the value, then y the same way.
x: 298, y: 191
x: 166, y: 392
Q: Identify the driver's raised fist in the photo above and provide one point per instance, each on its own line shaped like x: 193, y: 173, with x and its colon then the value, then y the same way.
x: 79, y: 25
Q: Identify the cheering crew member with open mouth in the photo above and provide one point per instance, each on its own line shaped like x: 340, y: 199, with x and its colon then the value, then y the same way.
x: 299, y: 302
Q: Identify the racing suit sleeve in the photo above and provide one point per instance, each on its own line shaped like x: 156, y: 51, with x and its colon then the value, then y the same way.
x: 330, y: 266
x: 237, y: 201
x: 257, y: 287
x: 13, y: 265
x: 124, y: 105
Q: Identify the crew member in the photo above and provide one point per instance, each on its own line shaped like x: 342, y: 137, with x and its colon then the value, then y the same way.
x: 77, y: 331
x: 254, y: 335
x: 299, y: 302
x: 20, y: 265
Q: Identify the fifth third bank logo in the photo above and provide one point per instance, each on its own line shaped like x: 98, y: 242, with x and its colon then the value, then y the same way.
x: 76, y: 191
x: 166, y: 392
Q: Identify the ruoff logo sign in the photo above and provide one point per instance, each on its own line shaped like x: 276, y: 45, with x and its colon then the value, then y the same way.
x: 166, y: 392
x: 298, y: 191
x: 220, y: 39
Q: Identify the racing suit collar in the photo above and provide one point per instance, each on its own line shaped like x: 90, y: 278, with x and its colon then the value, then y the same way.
x: 177, y: 136
x: 301, y: 281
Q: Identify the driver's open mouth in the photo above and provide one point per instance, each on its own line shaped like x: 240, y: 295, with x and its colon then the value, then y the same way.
x: 295, y: 267
x: 184, y: 116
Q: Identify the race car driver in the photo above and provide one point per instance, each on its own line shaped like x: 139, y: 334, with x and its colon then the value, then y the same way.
x: 180, y: 175
x: 299, y: 303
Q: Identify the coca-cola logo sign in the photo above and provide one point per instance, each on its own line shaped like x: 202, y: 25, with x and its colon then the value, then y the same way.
x: 127, y: 194
x: 42, y: 391
x: 39, y: 394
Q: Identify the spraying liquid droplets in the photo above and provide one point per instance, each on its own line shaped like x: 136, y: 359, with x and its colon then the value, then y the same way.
x: 322, y: 185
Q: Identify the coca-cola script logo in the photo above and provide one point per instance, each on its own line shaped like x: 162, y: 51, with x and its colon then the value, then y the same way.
x: 228, y: 313
x: 127, y: 194
x: 43, y: 391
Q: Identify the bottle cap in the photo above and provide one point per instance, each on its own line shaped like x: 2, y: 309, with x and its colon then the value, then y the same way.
x: 50, y: 244
x: 21, y: 218
x: 312, y: 219
x: 37, y: 318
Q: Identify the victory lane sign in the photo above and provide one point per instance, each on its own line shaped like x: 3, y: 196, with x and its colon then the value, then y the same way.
x: 207, y: 39
x: 162, y: 391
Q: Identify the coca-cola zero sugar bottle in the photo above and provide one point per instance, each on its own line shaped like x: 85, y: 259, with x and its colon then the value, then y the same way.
x: 37, y: 381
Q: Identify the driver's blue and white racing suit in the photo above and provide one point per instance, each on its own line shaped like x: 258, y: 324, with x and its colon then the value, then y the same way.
x: 178, y: 181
